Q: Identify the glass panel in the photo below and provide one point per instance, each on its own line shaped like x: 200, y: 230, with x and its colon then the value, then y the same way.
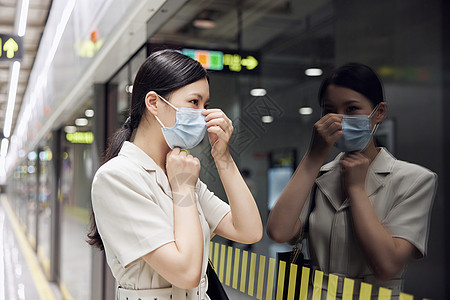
x: 76, y: 178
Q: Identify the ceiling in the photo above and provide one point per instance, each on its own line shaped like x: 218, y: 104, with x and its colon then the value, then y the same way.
x: 292, y: 34
x: 37, y: 18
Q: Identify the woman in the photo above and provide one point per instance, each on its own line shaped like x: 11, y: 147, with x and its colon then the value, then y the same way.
x: 371, y: 211
x: 154, y: 216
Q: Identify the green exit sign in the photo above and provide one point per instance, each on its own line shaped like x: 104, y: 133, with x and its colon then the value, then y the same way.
x: 225, y: 60
x: 11, y: 47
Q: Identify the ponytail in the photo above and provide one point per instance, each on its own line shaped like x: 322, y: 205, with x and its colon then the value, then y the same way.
x: 117, y: 139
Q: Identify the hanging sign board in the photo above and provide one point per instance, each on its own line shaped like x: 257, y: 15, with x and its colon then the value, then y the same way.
x: 225, y: 60
x: 11, y: 47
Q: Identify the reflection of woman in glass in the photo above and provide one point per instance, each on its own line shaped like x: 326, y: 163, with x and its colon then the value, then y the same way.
x: 154, y: 216
x: 371, y: 211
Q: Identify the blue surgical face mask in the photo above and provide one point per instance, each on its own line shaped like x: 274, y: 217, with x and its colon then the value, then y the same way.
x: 189, y: 128
x: 357, y: 133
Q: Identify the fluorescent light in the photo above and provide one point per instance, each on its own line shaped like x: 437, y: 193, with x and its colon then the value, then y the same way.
x: 129, y: 88
x: 204, y: 23
x: 313, y: 72
x: 81, y: 122
x: 267, y: 119
x: 258, y: 92
x: 11, y: 99
x: 4, y: 149
x: 70, y: 129
x: 32, y: 156
x: 89, y: 113
x: 306, y: 110
x: 23, y: 18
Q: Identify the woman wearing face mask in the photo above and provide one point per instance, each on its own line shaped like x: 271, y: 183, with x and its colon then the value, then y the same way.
x: 153, y: 216
x: 371, y: 211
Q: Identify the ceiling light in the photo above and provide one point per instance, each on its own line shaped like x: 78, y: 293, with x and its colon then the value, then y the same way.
x: 258, y: 92
x: 11, y: 99
x: 23, y: 18
x: 267, y: 119
x: 32, y: 156
x: 81, y: 122
x: 129, y: 88
x: 70, y: 129
x: 4, y: 148
x: 313, y: 72
x: 204, y: 23
x: 89, y: 113
x: 306, y: 110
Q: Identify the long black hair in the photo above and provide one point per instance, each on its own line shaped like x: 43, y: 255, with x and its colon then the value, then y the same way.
x: 164, y: 72
x: 357, y: 77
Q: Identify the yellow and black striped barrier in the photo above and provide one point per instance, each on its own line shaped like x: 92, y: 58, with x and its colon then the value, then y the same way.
x: 234, y: 270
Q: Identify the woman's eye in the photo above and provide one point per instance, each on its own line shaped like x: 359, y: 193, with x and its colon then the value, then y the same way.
x: 195, y: 102
x: 352, y: 109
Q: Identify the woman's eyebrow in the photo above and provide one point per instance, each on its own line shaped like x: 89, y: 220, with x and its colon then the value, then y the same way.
x: 197, y: 94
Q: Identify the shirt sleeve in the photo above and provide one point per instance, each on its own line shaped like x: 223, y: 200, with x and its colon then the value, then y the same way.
x: 213, y: 207
x: 128, y: 218
x: 410, y: 217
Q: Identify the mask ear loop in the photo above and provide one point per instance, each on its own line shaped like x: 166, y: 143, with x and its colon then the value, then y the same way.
x: 170, y: 104
x: 375, y: 127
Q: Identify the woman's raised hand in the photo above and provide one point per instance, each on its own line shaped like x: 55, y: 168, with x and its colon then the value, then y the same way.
x: 325, y: 133
x: 182, y: 170
x: 220, y: 129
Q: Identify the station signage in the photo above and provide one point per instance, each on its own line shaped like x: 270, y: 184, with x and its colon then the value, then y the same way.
x: 80, y: 137
x: 11, y: 47
x: 224, y: 60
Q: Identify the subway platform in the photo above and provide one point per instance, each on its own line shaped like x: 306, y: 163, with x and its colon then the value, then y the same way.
x: 21, y: 276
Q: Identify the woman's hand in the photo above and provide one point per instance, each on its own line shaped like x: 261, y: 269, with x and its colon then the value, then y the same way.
x: 354, y: 167
x: 182, y: 171
x: 220, y: 129
x: 325, y: 133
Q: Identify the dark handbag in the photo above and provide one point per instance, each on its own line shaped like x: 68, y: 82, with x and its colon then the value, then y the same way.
x: 215, y: 289
x: 295, y: 256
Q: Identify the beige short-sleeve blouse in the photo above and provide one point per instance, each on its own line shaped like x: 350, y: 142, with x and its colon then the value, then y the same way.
x: 402, y: 196
x: 132, y: 203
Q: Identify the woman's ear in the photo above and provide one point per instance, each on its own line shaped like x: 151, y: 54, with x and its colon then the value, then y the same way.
x: 381, y: 112
x: 151, y: 102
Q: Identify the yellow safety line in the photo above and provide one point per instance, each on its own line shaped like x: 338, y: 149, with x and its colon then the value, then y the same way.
x: 211, y: 246
x: 262, y: 266
x: 240, y: 268
x: 304, y: 283
x: 251, y: 274
x: 347, y: 293
x: 365, y: 291
x: 216, y: 256
x: 270, y: 275
x: 39, y: 279
x: 280, y: 280
x: 404, y: 296
x: 384, y: 294
x: 332, y: 287
x: 317, y: 290
x: 244, y: 270
x: 222, y: 262
x: 65, y: 292
x: 229, y: 259
x: 45, y: 262
x: 237, y: 253
x: 292, y: 281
